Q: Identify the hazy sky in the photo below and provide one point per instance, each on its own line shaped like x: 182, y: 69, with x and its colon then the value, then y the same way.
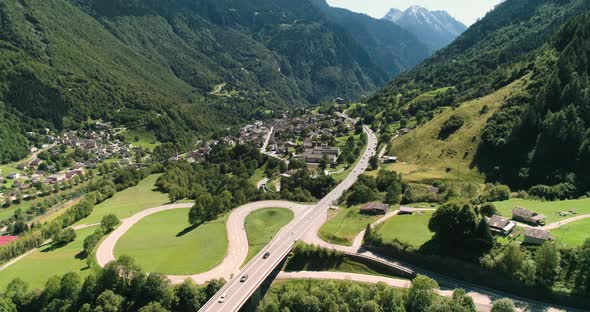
x: 467, y: 11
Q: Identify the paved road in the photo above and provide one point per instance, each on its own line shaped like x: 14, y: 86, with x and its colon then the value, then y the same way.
x: 267, y: 140
x: 313, y: 238
x: 558, y: 224
x: 482, y: 303
x: 237, y: 238
x: 258, y: 269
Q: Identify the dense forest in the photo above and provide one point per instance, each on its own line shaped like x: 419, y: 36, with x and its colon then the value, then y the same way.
x: 543, y: 137
x: 539, y: 137
x: 181, y: 68
x: 120, y: 286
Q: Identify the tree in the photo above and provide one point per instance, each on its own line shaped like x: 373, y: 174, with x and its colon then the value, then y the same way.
x: 153, y: 307
x: 6, y: 305
x: 393, y: 195
x: 511, y: 261
x: 374, y: 162
x: 421, y: 294
x: 69, y: 286
x: 189, y: 298
x: 108, y: 301
x: 371, y: 306
x: 64, y: 237
x: 503, y: 305
x: 548, y: 260
x: 454, y: 224
x: 583, y: 279
x: 488, y: 210
x: 109, y: 222
x: 17, y: 291
x: 20, y: 227
x: 91, y: 241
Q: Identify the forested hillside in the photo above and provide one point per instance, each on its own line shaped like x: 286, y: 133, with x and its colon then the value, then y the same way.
x: 537, y: 136
x: 180, y: 68
x: 544, y: 137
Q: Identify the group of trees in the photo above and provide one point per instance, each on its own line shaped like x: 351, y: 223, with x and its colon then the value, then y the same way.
x: 422, y: 296
x: 217, y: 185
x: 306, y: 185
x: 457, y: 226
x: 541, y: 137
x: 121, y: 286
x: 548, y: 266
x: 368, y: 188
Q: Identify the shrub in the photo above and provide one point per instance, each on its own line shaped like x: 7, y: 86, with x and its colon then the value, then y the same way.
x: 450, y: 126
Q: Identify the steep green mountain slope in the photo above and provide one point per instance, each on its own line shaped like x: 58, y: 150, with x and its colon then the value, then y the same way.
x: 544, y: 138
x: 537, y: 135
x: 180, y: 68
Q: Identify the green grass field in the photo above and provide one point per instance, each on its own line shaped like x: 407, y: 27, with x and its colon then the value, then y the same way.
x: 344, y: 225
x: 450, y: 159
x: 550, y: 209
x: 130, y: 201
x: 164, y: 243
x: 42, y: 264
x: 573, y: 234
x: 263, y: 225
x: 141, y: 138
x: 408, y: 229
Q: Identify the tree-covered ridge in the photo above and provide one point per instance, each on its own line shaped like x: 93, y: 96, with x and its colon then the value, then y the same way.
x: 543, y: 137
x: 490, y: 54
x: 537, y: 136
x: 178, y: 68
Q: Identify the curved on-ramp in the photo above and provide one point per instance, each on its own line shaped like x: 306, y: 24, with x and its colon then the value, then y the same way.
x: 237, y: 250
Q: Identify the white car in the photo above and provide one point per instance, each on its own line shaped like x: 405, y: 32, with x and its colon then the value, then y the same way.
x: 222, y: 298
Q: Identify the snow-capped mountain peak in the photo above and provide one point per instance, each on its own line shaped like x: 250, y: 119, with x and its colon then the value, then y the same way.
x: 435, y: 28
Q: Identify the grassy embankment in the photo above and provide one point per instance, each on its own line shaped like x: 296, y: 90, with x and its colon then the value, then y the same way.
x: 450, y: 159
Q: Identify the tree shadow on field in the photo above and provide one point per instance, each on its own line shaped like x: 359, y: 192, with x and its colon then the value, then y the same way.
x: 187, y: 230
x: 52, y: 247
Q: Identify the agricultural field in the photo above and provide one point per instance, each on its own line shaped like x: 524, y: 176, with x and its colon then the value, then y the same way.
x: 550, y: 209
x: 41, y: 264
x: 166, y: 243
x: 344, y: 225
x: 574, y: 234
x: 449, y: 159
x: 141, y: 138
x: 408, y: 229
x: 130, y: 201
x: 263, y: 225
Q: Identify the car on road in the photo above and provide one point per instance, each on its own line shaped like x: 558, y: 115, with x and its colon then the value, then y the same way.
x: 222, y: 298
x: 266, y: 255
x: 244, y: 278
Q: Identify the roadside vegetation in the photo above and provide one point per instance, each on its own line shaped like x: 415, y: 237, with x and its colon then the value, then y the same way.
x: 129, y: 201
x: 262, y: 226
x: 344, y: 224
x: 308, y: 295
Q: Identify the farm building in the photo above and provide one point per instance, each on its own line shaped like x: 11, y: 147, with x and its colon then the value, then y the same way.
x: 375, y: 208
x: 406, y: 210
x: 527, y: 216
x: 534, y: 236
x: 500, y: 225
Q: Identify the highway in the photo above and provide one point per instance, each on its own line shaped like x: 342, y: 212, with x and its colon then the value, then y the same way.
x: 236, y: 292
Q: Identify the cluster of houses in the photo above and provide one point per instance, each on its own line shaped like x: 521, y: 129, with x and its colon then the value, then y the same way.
x: 317, y: 151
x: 101, y: 142
x: 532, y: 234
